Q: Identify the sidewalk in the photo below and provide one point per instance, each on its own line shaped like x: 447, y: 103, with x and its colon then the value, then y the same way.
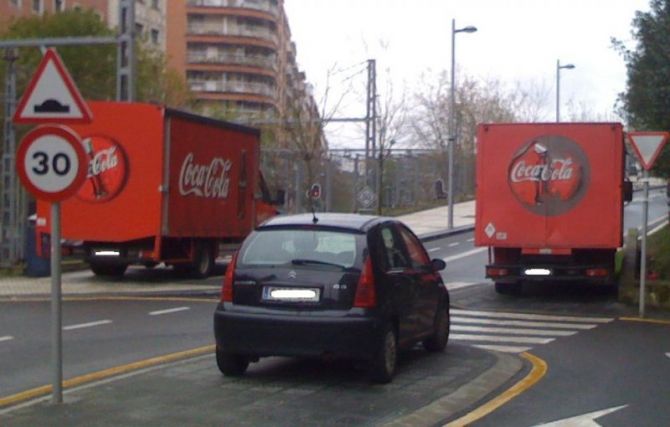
x: 426, y: 224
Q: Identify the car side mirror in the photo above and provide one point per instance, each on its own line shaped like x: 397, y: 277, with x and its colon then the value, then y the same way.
x: 438, y: 264
x: 627, y: 191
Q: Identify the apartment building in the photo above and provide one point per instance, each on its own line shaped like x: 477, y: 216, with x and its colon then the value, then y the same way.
x: 150, y: 15
x: 237, y: 56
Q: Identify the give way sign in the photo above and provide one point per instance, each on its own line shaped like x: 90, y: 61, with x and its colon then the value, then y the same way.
x: 647, y: 146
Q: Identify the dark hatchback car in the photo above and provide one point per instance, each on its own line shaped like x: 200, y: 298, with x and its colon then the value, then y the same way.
x: 340, y: 285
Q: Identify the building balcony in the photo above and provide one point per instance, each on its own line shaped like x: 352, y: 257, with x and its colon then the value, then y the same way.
x: 233, y: 87
x: 220, y: 58
x: 217, y: 31
x: 259, y: 5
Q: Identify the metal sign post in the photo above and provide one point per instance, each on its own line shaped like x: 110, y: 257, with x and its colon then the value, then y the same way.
x: 647, y: 146
x: 643, y: 251
x: 56, y: 308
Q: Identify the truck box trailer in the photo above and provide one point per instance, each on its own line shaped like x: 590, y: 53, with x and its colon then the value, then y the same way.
x: 549, y: 201
x: 162, y: 186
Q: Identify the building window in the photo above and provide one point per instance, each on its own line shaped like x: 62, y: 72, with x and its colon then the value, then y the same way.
x: 15, y: 3
x: 155, y: 37
x: 59, y: 5
x: 37, y: 6
x: 155, y: 4
x: 139, y: 29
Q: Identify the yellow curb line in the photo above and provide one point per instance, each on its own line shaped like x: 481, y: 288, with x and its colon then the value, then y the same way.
x: 637, y: 319
x: 106, y: 373
x: 113, y: 298
x: 537, y: 372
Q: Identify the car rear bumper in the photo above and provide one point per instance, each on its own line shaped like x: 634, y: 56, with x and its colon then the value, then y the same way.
x: 276, y: 334
x: 512, y: 273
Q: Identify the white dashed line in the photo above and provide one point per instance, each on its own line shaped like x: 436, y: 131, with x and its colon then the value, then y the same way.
x: 451, y: 245
x: 86, y: 325
x: 470, y: 240
x: 168, y: 311
x: 434, y: 249
x: 6, y: 338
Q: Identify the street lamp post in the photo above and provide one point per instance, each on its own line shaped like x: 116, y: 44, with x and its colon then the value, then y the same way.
x: 452, y: 116
x: 560, y: 67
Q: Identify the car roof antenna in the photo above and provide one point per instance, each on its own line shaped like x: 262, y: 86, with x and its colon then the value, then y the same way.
x: 314, y: 218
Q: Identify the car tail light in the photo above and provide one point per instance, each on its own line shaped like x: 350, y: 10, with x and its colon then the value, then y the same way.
x: 228, y: 279
x: 365, y: 291
x: 496, y: 272
x: 597, y: 272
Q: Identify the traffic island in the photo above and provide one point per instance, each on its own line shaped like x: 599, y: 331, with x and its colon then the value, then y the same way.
x: 429, y: 389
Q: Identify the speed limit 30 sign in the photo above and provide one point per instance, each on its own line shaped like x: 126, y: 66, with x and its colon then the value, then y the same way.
x: 51, y: 163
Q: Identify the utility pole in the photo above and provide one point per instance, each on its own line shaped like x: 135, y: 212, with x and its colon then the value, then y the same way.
x: 10, y: 228
x: 126, y: 62
x: 371, y: 121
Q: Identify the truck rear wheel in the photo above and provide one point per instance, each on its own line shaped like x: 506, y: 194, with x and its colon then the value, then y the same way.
x: 108, y: 270
x: 509, y: 288
x: 203, y: 262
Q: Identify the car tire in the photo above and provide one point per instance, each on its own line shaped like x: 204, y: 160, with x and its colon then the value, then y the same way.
x: 383, y: 363
x: 203, y: 263
x: 108, y: 270
x: 513, y: 289
x: 438, y: 340
x: 231, y: 365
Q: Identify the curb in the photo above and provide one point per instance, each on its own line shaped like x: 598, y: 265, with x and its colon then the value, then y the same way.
x: 446, y: 233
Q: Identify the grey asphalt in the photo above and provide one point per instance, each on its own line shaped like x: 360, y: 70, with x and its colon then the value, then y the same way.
x: 429, y: 389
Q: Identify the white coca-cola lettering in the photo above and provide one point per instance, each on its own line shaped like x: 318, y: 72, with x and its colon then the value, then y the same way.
x: 558, y: 170
x: 208, y: 180
x: 103, y: 160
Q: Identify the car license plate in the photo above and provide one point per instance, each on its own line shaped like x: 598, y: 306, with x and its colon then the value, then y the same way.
x: 291, y: 294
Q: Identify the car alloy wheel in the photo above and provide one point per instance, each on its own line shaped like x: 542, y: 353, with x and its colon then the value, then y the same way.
x: 383, y: 364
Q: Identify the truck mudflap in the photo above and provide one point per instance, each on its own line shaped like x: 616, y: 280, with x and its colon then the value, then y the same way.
x: 514, y: 273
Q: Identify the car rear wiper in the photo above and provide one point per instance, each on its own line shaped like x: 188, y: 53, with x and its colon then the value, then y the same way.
x: 301, y: 261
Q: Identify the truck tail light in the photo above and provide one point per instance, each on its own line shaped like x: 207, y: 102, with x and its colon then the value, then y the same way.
x: 365, y: 291
x: 597, y: 272
x: 228, y: 279
x: 496, y: 272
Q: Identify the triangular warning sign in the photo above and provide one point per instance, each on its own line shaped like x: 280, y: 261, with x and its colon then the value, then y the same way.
x: 52, y: 96
x: 647, y: 146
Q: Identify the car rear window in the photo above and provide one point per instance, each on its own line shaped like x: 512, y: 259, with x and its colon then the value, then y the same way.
x: 283, y: 246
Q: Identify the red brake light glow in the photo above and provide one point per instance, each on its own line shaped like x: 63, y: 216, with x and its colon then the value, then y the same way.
x: 365, y: 291
x: 227, y: 288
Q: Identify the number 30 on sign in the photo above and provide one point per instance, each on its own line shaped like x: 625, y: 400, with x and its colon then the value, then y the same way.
x: 51, y: 163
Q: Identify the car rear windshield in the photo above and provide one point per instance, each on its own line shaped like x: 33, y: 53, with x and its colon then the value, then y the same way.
x: 302, y: 246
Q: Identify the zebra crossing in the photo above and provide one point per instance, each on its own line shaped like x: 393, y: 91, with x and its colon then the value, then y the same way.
x: 515, y: 332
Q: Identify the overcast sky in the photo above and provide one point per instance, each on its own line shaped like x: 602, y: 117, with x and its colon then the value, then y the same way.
x: 517, y: 40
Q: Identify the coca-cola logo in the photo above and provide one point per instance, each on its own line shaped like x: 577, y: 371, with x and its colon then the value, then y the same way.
x: 549, y: 175
x: 107, y: 169
x: 209, y: 180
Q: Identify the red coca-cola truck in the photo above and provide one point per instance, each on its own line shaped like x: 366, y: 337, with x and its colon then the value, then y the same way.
x: 550, y: 201
x: 162, y: 186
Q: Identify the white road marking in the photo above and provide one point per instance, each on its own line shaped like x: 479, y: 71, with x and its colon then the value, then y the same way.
x: 452, y: 245
x: 471, y: 240
x: 458, y: 285
x: 464, y: 254
x: 86, y: 325
x: 667, y: 354
x: 530, y: 316
x: 503, y: 348
x: 168, y: 311
x: 585, y: 420
x: 522, y: 323
x: 657, y: 228
x: 505, y: 331
x: 6, y: 338
x: 500, y: 338
x: 434, y: 249
x: 512, y: 331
